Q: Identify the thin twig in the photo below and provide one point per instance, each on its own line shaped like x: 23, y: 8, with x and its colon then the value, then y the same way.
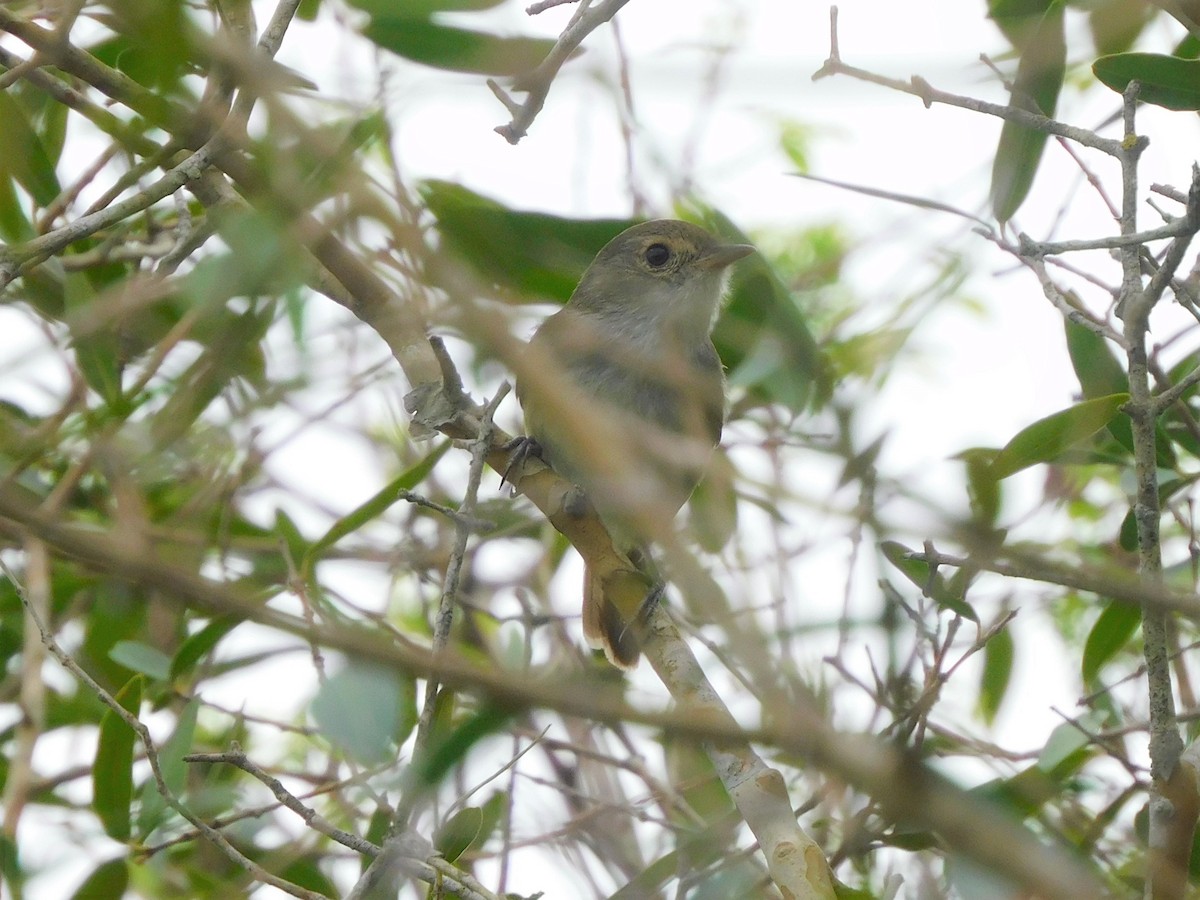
x: 536, y: 84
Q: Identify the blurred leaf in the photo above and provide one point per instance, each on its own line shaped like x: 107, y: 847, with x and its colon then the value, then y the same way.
x: 1071, y: 743
x: 1165, y: 81
x: 22, y: 156
x: 1100, y: 374
x: 97, y: 350
x: 997, y: 673
x: 108, y: 881
x: 457, y: 49
x: 112, y: 771
x: 421, y: 9
x: 1114, y: 628
x: 1046, y: 438
x: 365, y: 710
x: 983, y: 488
x: 153, y: 42
x: 142, y: 658
x: 174, y: 769
x: 795, y: 139
x: 374, y: 507
x: 196, y: 646
x: 763, y: 330
x: 448, y: 750
x: 1095, y: 364
x: 534, y: 254
x: 1038, y: 35
x: 1128, y: 535
x: 934, y: 586
x: 238, y: 356
x: 712, y: 508
x: 14, y: 224
x: 1116, y: 24
x: 457, y: 834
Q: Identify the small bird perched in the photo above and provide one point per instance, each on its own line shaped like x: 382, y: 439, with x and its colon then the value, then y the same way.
x: 629, y: 399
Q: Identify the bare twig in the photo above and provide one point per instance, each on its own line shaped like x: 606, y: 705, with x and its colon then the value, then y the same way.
x: 929, y: 95
x: 536, y: 84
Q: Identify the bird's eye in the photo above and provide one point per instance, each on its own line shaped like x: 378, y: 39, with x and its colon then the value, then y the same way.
x: 657, y: 255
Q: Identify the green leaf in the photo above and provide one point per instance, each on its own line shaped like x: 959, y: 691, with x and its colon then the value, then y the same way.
x: 1166, y: 81
x: 445, y: 752
x: 1114, y: 628
x: 22, y: 156
x: 918, y: 572
x: 196, y: 646
x: 457, y: 49
x: 112, y: 771
x: 1095, y: 364
x: 109, y: 879
x: 1046, y: 438
x: 533, y: 254
x: 421, y: 9
x: 983, y: 489
x: 142, y: 658
x: 1070, y: 744
x: 457, y: 834
x: 763, y: 335
x: 1116, y: 24
x: 373, y: 508
x: 174, y: 770
x: 1036, y: 87
x: 997, y: 671
x: 364, y: 710
x: 713, y: 506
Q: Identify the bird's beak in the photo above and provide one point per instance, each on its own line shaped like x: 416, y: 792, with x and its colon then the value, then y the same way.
x: 722, y: 256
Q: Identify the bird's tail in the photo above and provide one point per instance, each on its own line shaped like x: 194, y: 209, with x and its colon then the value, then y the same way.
x: 614, y: 613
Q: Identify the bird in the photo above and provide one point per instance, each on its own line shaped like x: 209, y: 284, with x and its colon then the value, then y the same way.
x: 624, y: 396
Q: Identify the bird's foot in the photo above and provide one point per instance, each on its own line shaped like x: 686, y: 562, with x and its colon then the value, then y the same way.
x: 522, y: 447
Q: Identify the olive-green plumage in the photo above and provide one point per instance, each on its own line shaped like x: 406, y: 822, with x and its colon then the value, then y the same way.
x: 638, y: 392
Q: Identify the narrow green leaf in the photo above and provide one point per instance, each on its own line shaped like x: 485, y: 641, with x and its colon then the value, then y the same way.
x: 1166, y: 81
x: 1114, y: 628
x: 174, y: 770
x: 997, y: 672
x: 112, y: 771
x: 421, y: 9
x: 141, y: 658
x: 442, y: 755
x: 764, y: 327
x: 1117, y: 24
x: 1036, y: 87
x: 1095, y: 364
x: 192, y: 650
x: 373, y: 508
x: 713, y: 506
x: 1046, y: 438
x: 917, y: 571
x: 983, y: 488
x: 14, y: 224
x: 1070, y: 745
x: 108, y: 880
x: 457, y: 49
x: 22, y: 156
x: 457, y: 834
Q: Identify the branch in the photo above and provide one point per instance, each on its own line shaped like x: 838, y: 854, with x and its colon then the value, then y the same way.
x: 929, y: 95
x: 903, y: 786
x: 536, y: 84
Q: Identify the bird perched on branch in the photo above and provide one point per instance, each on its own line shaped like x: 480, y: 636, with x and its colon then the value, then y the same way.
x: 624, y: 396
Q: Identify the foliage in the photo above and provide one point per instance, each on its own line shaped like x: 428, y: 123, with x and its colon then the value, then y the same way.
x: 196, y: 289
